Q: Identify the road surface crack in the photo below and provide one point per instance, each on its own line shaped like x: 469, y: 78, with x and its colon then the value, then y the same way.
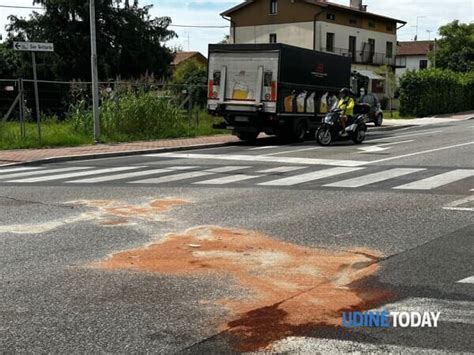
x: 37, y: 202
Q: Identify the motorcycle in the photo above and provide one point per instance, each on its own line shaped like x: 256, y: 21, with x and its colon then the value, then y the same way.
x: 356, y: 128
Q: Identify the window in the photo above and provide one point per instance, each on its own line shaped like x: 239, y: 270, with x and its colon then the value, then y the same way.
x: 330, y: 42
x: 273, y: 38
x: 423, y: 64
x: 353, y: 21
x: 389, y: 51
x: 273, y: 7
x: 352, y: 47
x: 390, y: 27
x: 371, y: 23
x: 331, y: 17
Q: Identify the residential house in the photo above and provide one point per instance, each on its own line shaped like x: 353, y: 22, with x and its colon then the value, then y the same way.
x: 368, y: 38
x: 413, y: 55
x: 183, y: 57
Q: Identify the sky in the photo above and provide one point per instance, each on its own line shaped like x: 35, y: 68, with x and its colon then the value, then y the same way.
x: 206, y: 12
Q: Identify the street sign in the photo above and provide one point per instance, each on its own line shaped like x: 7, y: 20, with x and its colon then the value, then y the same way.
x: 33, y: 47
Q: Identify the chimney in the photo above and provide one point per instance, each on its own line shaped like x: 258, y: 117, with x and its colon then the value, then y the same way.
x: 357, y: 4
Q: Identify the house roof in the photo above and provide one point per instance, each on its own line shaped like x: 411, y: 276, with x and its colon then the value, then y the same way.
x: 318, y: 3
x: 414, y: 48
x: 184, y: 56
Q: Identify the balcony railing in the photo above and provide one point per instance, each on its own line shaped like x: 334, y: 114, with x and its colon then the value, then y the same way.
x: 368, y: 57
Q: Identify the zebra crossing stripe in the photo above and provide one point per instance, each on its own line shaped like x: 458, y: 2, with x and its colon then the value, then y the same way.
x: 2, y: 171
x: 282, y: 169
x: 227, y: 180
x: 317, y: 175
x: 467, y: 280
x: 438, y: 180
x: 227, y: 169
x: 374, y: 178
x: 41, y: 172
x: 120, y: 176
x: 75, y: 174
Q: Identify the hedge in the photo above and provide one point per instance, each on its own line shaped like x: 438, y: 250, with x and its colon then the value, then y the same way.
x: 435, y: 91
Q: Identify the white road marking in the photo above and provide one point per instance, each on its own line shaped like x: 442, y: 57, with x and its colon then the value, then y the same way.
x: 128, y: 175
x: 190, y: 175
x: 74, y: 175
x: 419, y: 153
x: 262, y: 158
x: 227, y: 180
x: 317, y: 175
x: 451, y: 311
x: 17, y: 169
x: 293, y: 151
x: 173, y: 178
x: 282, y: 169
x: 455, y: 206
x: 374, y: 178
x: 265, y: 147
x: 372, y: 149
x: 438, y: 180
x: 467, y: 280
x: 403, y: 136
x: 42, y: 172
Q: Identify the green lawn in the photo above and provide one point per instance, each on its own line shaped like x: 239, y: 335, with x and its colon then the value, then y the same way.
x: 63, y: 134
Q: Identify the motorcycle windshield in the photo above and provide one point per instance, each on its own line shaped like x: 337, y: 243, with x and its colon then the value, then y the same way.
x: 331, y: 117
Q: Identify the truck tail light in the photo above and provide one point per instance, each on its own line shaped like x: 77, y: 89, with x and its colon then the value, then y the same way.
x: 210, y: 89
x: 274, y: 91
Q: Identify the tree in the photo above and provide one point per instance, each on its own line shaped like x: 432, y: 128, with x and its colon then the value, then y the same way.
x: 455, y: 49
x: 9, y: 62
x: 193, y: 75
x: 129, y: 40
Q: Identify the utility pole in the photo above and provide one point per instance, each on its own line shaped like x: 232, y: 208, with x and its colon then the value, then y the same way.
x: 429, y: 34
x: 417, y: 26
x: 95, y: 75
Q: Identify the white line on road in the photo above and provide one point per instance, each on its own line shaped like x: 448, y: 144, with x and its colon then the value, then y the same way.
x: 227, y: 169
x: 419, y: 153
x: 374, y: 178
x: 227, y: 180
x: 2, y: 171
x: 127, y: 175
x: 282, y: 169
x: 467, y: 280
x: 454, y: 206
x: 293, y: 151
x: 403, y: 136
x: 74, y: 175
x: 438, y: 180
x: 265, y: 147
x: 42, y: 172
x: 262, y: 158
x: 317, y: 175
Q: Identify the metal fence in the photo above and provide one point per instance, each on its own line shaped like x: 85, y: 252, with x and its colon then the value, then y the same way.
x: 57, y: 99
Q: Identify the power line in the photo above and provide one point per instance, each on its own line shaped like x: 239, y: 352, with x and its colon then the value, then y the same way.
x: 22, y: 7
x: 198, y: 26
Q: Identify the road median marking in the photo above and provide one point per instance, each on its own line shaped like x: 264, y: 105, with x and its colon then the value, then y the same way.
x: 455, y: 206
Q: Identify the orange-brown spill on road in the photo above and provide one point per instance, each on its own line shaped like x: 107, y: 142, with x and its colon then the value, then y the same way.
x: 115, y: 213
x: 291, y: 289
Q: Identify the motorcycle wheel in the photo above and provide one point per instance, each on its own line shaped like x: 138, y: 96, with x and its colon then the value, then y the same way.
x: 379, y: 120
x: 324, y: 136
x: 359, y: 135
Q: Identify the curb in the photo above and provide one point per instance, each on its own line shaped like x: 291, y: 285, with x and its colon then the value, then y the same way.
x: 62, y: 159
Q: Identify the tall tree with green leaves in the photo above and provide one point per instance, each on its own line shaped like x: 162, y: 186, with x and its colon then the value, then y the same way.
x: 455, y: 49
x: 130, y: 41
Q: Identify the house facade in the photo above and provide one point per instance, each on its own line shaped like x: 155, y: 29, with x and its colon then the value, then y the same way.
x: 414, y: 55
x: 369, y: 39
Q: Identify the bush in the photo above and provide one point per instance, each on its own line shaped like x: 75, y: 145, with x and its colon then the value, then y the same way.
x: 435, y: 91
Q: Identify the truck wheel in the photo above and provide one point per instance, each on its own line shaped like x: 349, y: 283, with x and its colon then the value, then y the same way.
x: 248, y: 136
x: 324, y: 136
x: 300, y: 130
x: 379, y: 120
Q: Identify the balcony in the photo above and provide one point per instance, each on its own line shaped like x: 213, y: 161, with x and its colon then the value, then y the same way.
x: 369, y: 58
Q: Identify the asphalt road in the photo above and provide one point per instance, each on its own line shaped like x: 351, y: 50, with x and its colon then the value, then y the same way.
x: 300, y: 233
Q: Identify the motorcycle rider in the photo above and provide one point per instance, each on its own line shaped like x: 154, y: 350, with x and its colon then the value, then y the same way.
x: 370, y: 99
x: 346, y: 104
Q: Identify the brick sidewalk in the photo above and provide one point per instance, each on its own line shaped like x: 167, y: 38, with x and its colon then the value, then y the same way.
x: 28, y: 155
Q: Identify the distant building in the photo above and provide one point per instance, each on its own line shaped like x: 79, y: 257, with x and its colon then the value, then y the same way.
x: 414, y: 55
x: 183, y: 57
x: 369, y: 39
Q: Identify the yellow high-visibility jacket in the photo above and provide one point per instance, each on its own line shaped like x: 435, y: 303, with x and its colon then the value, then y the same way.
x: 347, y: 106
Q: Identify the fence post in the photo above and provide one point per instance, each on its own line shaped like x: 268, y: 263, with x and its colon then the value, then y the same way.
x: 35, y: 78
x: 22, y: 108
x: 190, y: 105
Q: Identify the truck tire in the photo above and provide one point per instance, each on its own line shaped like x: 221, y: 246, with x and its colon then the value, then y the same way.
x: 248, y: 136
x: 300, y: 129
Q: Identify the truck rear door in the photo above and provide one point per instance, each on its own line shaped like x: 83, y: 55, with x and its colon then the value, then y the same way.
x: 243, y: 81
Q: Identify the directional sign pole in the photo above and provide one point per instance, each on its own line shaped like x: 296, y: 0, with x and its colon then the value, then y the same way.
x: 95, y: 75
x: 35, y: 80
